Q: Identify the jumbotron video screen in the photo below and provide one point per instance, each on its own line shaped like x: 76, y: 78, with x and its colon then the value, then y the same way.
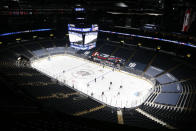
x: 83, y: 38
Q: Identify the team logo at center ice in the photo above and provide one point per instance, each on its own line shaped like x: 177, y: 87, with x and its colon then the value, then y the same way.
x: 82, y: 74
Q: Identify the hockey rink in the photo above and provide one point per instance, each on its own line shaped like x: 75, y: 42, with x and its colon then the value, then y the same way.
x: 112, y: 87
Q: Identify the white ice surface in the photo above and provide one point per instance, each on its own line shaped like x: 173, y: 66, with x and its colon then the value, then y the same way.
x: 81, y: 74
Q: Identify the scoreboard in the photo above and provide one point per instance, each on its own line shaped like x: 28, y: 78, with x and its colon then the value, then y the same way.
x: 83, y: 38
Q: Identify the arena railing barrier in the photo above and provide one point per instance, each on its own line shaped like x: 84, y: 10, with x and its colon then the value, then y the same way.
x: 104, y: 101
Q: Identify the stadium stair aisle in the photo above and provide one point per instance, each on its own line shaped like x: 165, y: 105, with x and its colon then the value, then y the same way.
x: 168, y: 106
x: 105, y: 114
x: 123, y: 53
x: 28, y: 50
x: 133, y: 118
x: 149, y: 64
x: 59, y: 43
x: 24, y: 74
x: 88, y: 111
x: 37, y: 83
x: 6, y: 64
x: 46, y: 44
x: 176, y: 118
x: 130, y: 57
x: 42, y: 47
x: 21, y: 51
x: 108, y: 49
x: 155, y: 119
x: 180, y: 81
x: 53, y: 44
x: 113, y: 53
x: 120, y: 117
x: 57, y: 96
x: 101, y: 46
x: 15, y: 100
x: 185, y: 71
x: 10, y: 56
x: 169, y: 70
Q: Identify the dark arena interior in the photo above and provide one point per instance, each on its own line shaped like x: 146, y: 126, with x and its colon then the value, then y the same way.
x: 152, y: 41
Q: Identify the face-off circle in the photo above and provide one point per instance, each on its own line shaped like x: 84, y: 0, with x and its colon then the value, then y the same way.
x: 83, y: 73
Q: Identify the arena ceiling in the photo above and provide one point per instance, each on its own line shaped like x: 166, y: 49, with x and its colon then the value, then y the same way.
x: 139, y: 12
x: 96, y: 4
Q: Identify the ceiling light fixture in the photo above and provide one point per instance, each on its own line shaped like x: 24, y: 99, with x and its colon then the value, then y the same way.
x: 121, y: 4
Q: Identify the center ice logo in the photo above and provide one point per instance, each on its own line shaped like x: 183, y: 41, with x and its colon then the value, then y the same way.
x: 83, y: 73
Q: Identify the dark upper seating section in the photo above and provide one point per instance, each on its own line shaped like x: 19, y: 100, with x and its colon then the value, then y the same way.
x: 107, y: 49
x: 153, y: 71
x: 142, y: 58
x: 29, y: 82
x: 168, y: 98
x: 166, y: 78
x: 33, y: 46
x: 184, y: 71
x: 124, y: 53
x: 22, y: 51
x: 174, y: 117
x: 172, y: 88
x: 47, y: 44
x: 104, y: 114
x: 7, y: 55
x: 164, y: 61
x: 133, y: 118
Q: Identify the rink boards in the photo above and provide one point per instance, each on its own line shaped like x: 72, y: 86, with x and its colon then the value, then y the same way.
x: 110, y: 86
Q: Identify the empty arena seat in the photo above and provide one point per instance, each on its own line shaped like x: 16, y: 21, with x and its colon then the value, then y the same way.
x: 22, y: 51
x: 105, y: 114
x: 153, y: 71
x: 168, y: 98
x: 171, y: 105
x: 8, y: 56
x: 166, y: 78
x: 184, y: 71
x: 33, y: 46
x: 107, y: 49
x: 142, y: 56
x: 174, y: 117
x: 56, y: 50
x: 138, y: 65
x: 164, y: 61
x: 134, y: 118
x: 47, y: 44
x: 81, y: 52
x: 40, y: 53
x: 174, y: 87
x: 123, y: 53
x: 60, y: 43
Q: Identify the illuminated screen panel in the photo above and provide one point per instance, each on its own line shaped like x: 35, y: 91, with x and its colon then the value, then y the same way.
x: 83, y: 38
x: 75, y: 37
x: 90, y: 37
x: 95, y: 27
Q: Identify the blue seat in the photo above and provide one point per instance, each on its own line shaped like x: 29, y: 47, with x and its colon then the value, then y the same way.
x: 168, y: 98
x: 174, y: 87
